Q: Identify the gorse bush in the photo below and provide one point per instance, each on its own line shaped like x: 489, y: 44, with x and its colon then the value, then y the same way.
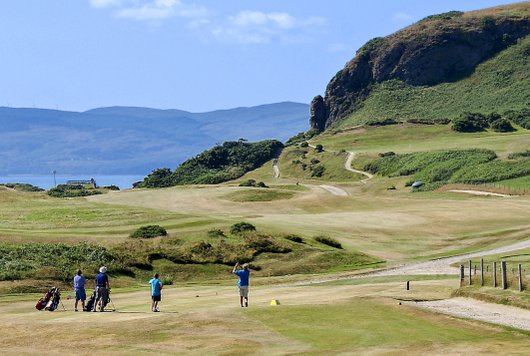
x: 149, y: 231
x: 294, y: 238
x: 222, y: 163
x: 474, y: 166
x: 241, y: 227
x: 501, y: 125
x: 71, y: 191
x: 470, y: 122
x: 328, y: 241
x: 521, y: 117
x: 51, y: 261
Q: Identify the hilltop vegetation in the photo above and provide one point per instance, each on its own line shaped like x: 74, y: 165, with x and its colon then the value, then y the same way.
x: 436, y: 168
x: 222, y: 163
x: 436, y: 69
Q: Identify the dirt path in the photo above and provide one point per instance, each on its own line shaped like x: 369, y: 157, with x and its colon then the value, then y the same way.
x: 276, y: 168
x: 334, y: 190
x: 478, y: 192
x: 478, y: 310
x: 347, y: 166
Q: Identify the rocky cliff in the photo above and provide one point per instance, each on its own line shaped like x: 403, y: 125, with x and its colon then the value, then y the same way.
x: 438, y: 49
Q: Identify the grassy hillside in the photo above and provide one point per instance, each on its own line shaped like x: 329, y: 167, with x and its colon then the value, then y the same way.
x: 500, y: 84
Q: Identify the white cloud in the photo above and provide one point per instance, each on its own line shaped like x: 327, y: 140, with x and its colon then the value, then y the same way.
x: 254, y: 27
x: 154, y: 10
x: 104, y: 3
x: 402, y: 17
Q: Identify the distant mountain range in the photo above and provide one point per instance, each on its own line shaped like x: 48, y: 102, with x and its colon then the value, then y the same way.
x: 131, y: 140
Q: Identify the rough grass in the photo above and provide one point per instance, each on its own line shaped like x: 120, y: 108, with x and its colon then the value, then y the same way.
x: 255, y: 195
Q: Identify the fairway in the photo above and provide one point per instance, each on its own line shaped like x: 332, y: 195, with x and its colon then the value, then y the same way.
x: 207, y: 320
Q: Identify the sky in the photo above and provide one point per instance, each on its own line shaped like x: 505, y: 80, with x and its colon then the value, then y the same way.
x: 190, y: 55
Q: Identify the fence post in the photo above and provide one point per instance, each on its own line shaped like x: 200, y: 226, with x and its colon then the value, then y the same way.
x: 520, y: 279
x: 408, y: 285
x: 481, y: 271
x: 475, y: 269
x: 470, y: 272
x: 503, y: 275
x: 494, y: 274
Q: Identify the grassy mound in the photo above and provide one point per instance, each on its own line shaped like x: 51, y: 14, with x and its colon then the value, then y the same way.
x: 259, y: 195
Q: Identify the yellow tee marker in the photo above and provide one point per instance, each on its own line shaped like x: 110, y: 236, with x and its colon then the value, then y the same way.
x: 275, y: 302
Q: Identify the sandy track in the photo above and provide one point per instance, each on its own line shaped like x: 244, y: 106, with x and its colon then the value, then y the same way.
x: 334, y: 190
x: 478, y: 310
x: 478, y: 192
x: 347, y: 166
x: 276, y: 169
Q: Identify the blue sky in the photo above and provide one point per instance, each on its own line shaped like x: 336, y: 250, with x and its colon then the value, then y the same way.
x: 191, y: 55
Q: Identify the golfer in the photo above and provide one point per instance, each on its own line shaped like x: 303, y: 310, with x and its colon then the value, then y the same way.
x: 79, y: 289
x: 102, y: 289
x: 156, y: 292
x: 242, y: 283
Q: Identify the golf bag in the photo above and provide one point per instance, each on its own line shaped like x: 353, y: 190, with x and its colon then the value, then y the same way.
x: 89, y: 305
x: 55, y: 298
x: 44, y: 300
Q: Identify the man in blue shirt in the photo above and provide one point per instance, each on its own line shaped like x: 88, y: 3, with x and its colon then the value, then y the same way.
x: 156, y: 292
x: 79, y: 289
x: 242, y: 283
x: 102, y: 289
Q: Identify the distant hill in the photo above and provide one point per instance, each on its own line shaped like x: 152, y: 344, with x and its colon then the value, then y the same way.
x: 130, y: 140
x: 438, y: 68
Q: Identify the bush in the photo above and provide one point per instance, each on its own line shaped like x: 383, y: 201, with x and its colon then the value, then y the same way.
x: 521, y: 118
x: 216, y: 233
x: 382, y: 122
x: 166, y: 280
x: 111, y: 187
x: 516, y: 155
x: 71, y: 191
x: 387, y: 154
x: 23, y: 187
x: 315, y: 161
x: 502, y: 125
x: 241, y: 227
x: 328, y: 241
x: 318, y: 171
x: 149, y: 231
x: 470, y: 122
x: 304, y: 144
x: 319, y: 148
x: 252, y: 183
x: 294, y: 238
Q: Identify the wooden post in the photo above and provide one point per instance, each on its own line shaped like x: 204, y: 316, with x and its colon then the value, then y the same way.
x: 470, y: 272
x: 520, y: 279
x: 494, y: 274
x: 408, y: 285
x: 504, y: 281
x: 475, y: 269
x: 481, y: 271
x: 462, y: 274
x: 487, y: 268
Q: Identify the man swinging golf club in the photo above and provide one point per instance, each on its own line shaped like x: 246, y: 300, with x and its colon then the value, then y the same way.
x: 102, y: 289
x: 242, y: 283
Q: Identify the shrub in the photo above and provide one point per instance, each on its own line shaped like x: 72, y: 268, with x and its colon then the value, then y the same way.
x: 216, y: 233
x: 519, y: 154
x: 261, y: 244
x: 111, y: 187
x: 304, y: 144
x: 23, y: 187
x: 261, y: 185
x: 387, y: 154
x: 149, y: 231
x: 470, y: 122
x: 502, y: 125
x: 315, y: 161
x: 319, y: 148
x: 382, y: 122
x: 294, y: 238
x: 241, y: 227
x: 521, y: 118
x: 328, y: 241
x: 166, y: 280
x: 248, y: 183
x: 318, y: 171
x: 71, y: 191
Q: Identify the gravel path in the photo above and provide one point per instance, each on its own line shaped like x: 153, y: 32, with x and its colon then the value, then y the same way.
x: 478, y: 310
x: 347, y: 166
x: 276, y: 168
x: 334, y: 190
x: 478, y: 192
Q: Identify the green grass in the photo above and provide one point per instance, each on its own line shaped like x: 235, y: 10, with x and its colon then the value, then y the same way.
x: 517, y: 183
x: 364, y: 324
x: 257, y: 195
x: 497, y: 85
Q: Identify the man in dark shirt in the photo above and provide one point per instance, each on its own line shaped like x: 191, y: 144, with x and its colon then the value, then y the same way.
x: 102, y: 289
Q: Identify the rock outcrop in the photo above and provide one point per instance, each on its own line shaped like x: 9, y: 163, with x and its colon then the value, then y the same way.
x: 440, y: 48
